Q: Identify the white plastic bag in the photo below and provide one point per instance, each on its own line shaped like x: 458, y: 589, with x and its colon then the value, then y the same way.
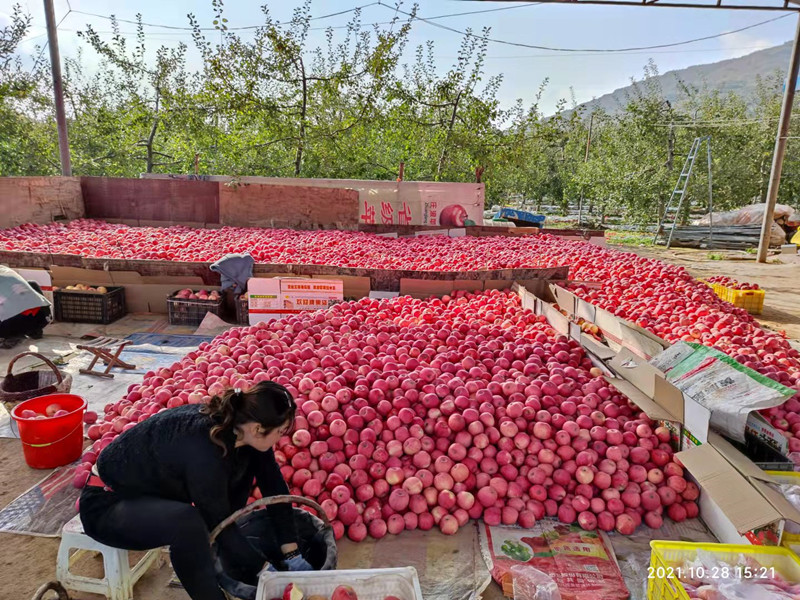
x: 532, y: 584
x: 753, y: 215
x: 747, y: 215
x: 744, y: 590
x: 792, y: 494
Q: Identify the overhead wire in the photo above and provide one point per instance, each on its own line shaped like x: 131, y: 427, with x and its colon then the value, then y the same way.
x: 570, y: 55
x: 592, y: 50
x: 159, y: 36
x: 327, y: 16
x: 240, y: 28
x: 185, y: 30
x: 46, y: 44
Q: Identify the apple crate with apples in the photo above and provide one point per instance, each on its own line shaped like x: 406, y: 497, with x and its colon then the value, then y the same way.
x: 357, y: 584
x: 88, y: 304
x: 189, y: 307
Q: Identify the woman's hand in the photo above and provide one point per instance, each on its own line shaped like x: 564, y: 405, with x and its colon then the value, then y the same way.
x: 293, y: 559
x: 298, y: 563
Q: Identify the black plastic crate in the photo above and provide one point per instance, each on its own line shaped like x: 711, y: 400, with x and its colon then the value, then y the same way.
x: 763, y: 455
x: 77, y: 306
x: 243, y: 309
x: 191, y: 312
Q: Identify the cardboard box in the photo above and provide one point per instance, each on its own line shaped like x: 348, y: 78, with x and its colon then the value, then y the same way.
x: 735, y: 501
x: 383, y: 295
x: 732, y: 392
x: 296, y: 303
x: 42, y: 277
x: 353, y: 288
x: 542, y: 303
x: 618, y: 332
x: 425, y: 288
x: 760, y: 428
x: 143, y: 294
x: 718, y: 467
x: 623, y: 366
x: 688, y: 439
x: 299, y: 286
x: 645, y: 386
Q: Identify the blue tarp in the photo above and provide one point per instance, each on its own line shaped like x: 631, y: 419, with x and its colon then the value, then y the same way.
x: 169, y: 340
x: 519, y: 215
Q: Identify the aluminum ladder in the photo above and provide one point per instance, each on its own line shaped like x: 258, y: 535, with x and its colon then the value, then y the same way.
x: 680, y: 191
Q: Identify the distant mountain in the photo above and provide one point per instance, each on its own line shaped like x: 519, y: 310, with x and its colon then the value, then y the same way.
x: 735, y: 74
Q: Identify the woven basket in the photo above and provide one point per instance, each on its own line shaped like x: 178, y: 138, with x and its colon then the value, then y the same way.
x: 315, y: 538
x: 32, y: 384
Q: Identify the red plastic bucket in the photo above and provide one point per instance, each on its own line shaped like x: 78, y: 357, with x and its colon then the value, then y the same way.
x: 52, y: 442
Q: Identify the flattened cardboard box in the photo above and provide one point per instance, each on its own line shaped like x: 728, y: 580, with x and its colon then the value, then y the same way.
x: 142, y: 294
x: 352, y: 287
x: 302, y: 286
x: 425, y: 288
x: 736, y: 501
x: 618, y: 331
x: 646, y: 387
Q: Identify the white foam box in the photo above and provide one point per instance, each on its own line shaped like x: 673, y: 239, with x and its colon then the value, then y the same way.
x: 264, y: 302
x: 299, y: 295
x: 368, y: 584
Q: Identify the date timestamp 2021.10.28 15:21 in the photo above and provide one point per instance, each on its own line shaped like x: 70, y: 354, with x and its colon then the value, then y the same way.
x: 701, y: 573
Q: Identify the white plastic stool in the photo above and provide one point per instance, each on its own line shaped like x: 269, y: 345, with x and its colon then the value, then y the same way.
x: 118, y: 576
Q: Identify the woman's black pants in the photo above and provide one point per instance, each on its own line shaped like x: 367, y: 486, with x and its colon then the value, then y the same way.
x: 147, y: 522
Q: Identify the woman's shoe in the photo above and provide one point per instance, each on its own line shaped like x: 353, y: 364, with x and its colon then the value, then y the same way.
x: 10, y: 342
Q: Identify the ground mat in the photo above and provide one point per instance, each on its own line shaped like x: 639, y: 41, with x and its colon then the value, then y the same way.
x: 168, y: 340
x: 45, y: 508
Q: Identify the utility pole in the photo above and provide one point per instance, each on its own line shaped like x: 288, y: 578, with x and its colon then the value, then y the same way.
x: 589, y: 138
x: 780, y: 147
x: 58, y: 88
x: 585, y: 160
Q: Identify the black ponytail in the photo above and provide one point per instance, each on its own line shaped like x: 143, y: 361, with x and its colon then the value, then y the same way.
x: 267, y: 403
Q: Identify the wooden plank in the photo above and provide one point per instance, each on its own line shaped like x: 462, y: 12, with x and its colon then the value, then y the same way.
x: 39, y: 200
x: 295, y: 207
x: 151, y: 200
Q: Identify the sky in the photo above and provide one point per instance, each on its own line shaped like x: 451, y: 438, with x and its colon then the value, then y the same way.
x: 523, y: 69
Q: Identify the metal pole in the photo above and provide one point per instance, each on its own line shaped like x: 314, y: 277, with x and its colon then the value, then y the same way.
x: 58, y: 88
x: 589, y: 138
x: 780, y: 147
x: 585, y: 160
x: 710, y: 199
